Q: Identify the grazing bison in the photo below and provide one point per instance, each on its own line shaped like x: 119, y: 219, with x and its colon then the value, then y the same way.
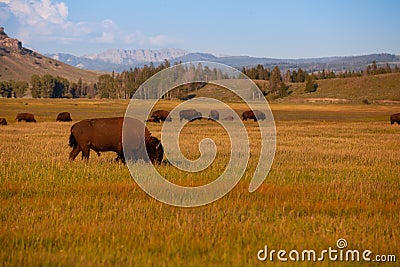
x: 28, y: 117
x: 228, y: 118
x: 253, y: 114
x: 105, y: 134
x: 64, y: 116
x: 161, y: 115
x: 3, y: 121
x: 190, y: 115
x: 395, y: 118
x: 214, y: 115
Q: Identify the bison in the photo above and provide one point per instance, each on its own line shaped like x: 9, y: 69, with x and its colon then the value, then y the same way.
x: 214, y: 115
x: 105, y: 134
x: 161, y: 115
x: 190, y: 115
x: 253, y: 114
x: 28, y: 117
x: 228, y: 118
x: 64, y: 116
x: 395, y: 118
x: 3, y: 121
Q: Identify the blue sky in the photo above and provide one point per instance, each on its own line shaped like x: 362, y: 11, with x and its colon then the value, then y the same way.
x: 279, y: 29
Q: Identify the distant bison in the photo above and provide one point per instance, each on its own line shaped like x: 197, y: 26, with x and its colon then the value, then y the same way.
x: 64, y: 116
x: 228, y: 118
x: 161, y: 115
x: 28, y: 117
x: 3, y: 121
x: 190, y: 115
x: 214, y: 115
x: 253, y: 115
x: 395, y: 118
x: 152, y: 120
x: 105, y: 134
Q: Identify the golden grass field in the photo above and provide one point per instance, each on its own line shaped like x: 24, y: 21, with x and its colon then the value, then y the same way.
x: 336, y: 174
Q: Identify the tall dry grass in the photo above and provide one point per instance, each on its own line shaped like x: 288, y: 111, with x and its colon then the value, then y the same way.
x: 333, y: 176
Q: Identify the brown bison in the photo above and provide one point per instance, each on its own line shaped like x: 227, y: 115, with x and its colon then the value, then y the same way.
x: 28, y: 117
x: 214, y: 115
x: 3, y: 121
x: 228, y: 118
x: 105, y: 134
x: 64, y: 116
x: 152, y: 120
x: 190, y: 115
x: 161, y: 115
x: 253, y: 115
x: 395, y: 118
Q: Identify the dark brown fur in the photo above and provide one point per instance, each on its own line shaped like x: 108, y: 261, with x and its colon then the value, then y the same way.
x: 105, y: 134
x: 3, y: 121
x: 161, y: 115
x: 253, y: 115
x: 395, y: 118
x: 28, y: 117
x: 190, y: 115
x: 214, y: 115
x: 155, y: 150
x: 64, y: 116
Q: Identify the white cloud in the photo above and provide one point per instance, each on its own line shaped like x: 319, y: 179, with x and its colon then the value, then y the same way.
x: 47, y: 20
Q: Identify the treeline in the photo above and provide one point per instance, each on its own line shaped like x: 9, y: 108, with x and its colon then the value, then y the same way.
x: 125, y: 84
x: 300, y: 76
x: 47, y: 86
x: 13, y: 88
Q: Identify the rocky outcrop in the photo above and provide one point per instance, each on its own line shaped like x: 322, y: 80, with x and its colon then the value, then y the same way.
x: 9, y: 43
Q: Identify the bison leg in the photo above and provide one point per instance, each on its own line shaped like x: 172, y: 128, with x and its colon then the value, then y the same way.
x: 74, y: 153
x: 85, y: 152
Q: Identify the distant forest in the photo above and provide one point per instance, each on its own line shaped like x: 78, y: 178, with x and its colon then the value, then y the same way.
x: 123, y: 85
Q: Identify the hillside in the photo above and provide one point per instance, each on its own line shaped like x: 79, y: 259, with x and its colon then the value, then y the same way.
x: 19, y: 63
x: 384, y: 88
x: 376, y: 88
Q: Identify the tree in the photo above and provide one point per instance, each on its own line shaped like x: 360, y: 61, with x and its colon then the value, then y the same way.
x: 36, y: 83
x: 105, y: 86
x: 311, y: 86
x: 20, y: 88
x: 275, y: 80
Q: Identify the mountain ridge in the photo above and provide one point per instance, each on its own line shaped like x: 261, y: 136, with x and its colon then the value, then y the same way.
x: 121, y: 59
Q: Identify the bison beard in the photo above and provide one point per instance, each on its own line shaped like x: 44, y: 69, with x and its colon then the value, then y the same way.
x: 105, y: 134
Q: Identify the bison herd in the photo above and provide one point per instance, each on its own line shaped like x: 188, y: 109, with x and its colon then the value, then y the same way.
x: 105, y: 134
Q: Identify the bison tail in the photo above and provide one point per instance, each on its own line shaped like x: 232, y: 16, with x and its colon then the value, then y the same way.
x: 72, y: 141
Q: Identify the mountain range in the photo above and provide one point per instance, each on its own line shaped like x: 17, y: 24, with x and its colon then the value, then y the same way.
x: 120, y: 59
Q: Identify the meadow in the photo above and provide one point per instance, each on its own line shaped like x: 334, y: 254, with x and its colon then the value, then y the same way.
x: 336, y: 174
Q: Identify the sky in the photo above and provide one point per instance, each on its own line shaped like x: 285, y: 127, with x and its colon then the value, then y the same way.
x: 274, y: 29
